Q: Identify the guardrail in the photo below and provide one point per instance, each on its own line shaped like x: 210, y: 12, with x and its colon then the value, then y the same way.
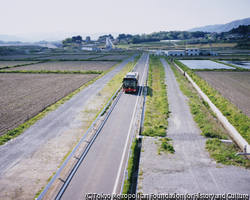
x: 137, y: 121
x: 80, y: 142
x: 229, y: 127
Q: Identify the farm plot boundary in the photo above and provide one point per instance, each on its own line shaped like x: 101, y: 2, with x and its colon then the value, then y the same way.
x: 234, y: 86
x: 17, y: 131
x: 235, y: 116
x: 66, y: 66
x: 25, y: 95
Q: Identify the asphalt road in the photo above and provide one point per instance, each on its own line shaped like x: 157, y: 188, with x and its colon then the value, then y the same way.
x: 99, y: 169
x: 52, y: 125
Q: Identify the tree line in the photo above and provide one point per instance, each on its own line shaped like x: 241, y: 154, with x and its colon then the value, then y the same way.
x: 242, y: 33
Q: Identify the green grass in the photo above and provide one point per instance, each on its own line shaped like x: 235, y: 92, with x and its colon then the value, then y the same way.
x: 235, y: 116
x: 165, y: 146
x: 157, y: 108
x: 132, y: 166
x: 109, y: 89
x: 207, y: 122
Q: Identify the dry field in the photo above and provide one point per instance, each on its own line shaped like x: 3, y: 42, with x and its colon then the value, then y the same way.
x: 70, y: 57
x: 13, y: 63
x: 234, y: 86
x: 12, y: 57
x: 24, y: 95
x: 69, y: 66
x: 112, y: 57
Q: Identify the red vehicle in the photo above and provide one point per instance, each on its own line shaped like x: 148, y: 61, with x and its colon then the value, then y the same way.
x: 130, y: 82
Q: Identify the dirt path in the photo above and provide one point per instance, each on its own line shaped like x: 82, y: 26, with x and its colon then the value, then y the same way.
x: 190, y: 169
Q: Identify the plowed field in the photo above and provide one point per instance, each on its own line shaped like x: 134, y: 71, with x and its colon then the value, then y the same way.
x: 112, y: 57
x: 69, y: 66
x: 234, y: 86
x: 13, y: 63
x: 71, y: 57
x: 24, y: 95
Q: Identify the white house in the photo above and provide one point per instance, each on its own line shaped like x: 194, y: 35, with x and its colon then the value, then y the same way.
x: 192, y: 52
x: 159, y: 52
x: 175, y: 53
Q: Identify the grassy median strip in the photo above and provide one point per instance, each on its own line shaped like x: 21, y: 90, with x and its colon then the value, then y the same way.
x: 157, y: 108
x: 208, y: 123
x: 132, y: 167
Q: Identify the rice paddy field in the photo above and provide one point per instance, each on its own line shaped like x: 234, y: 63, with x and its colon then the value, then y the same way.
x: 68, y: 66
x: 204, y: 64
x: 242, y: 64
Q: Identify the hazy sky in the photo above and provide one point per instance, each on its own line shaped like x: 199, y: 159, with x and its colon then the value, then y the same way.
x: 128, y: 16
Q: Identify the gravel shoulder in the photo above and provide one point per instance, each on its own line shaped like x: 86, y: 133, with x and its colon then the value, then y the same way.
x: 190, y: 169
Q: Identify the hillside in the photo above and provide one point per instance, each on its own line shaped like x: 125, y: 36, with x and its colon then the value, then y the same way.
x: 222, y: 27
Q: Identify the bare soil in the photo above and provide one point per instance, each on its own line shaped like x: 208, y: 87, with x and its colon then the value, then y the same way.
x: 71, y: 57
x: 234, y: 86
x: 69, y: 66
x: 13, y: 63
x: 24, y: 95
x: 10, y: 57
x: 113, y: 57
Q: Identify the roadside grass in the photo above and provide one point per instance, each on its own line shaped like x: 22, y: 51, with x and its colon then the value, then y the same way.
x: 209, y: 125
x: 107, y: 93
x: 133, y: 164
x: 157, y: 108
x: 166, y: 146
x: 235, y: 116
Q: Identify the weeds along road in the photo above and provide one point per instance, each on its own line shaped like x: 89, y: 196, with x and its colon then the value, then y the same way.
x: 100, y: 168
x: 190, y: 169
x: 52, y: 125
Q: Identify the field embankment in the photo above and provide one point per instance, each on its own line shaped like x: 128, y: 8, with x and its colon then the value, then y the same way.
x: 235, y: 116
x: 234, y: 86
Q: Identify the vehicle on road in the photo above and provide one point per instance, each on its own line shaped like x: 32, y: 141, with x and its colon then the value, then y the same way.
x: 130, y: 82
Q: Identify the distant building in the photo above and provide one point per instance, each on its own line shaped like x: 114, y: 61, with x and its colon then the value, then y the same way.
x: 175, y: 53
x: 192, y: 52
x: 90, y: 47
x: 159, y: 52
x: 208, y: 53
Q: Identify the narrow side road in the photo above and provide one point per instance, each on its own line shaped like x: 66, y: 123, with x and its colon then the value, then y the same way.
x: 190, y: 169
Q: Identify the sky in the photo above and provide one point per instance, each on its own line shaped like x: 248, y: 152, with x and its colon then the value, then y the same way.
x: 128, y: 16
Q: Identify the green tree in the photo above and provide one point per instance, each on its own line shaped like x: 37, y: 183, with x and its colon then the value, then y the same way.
x: 67, y: 41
